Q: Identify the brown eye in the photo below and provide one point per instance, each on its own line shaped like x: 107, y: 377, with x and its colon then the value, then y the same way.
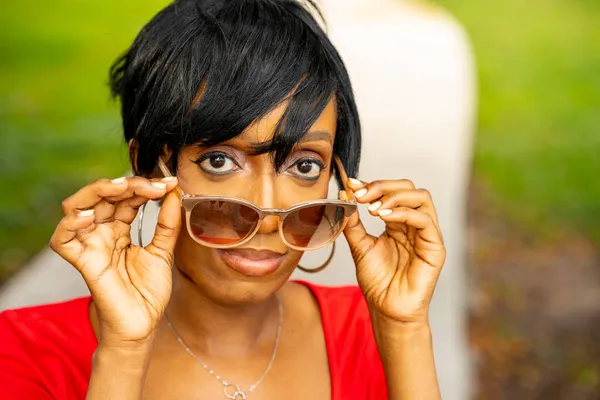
x: 307, y: 168
x: 217, y: 163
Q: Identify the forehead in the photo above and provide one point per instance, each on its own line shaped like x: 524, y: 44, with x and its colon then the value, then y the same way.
x: 263, y: 129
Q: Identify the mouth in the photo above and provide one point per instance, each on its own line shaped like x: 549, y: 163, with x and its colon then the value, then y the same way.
x: 252, y: 262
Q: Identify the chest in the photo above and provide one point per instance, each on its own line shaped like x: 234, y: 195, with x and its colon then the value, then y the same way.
x: 299, y: 371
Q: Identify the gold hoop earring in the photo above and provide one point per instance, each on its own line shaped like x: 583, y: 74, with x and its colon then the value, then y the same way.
x: 321, y: 267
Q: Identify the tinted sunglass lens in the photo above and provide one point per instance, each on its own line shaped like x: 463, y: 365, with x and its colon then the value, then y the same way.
x: 312, y: 226
x: 222, y: 222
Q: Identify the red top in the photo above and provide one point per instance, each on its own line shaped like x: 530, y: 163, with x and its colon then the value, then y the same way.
x: 46, y: 351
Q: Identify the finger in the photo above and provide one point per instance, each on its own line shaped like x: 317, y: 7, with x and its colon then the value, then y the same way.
x: 374, y: 190
x: 353, y: 185
x: 356, y: 184
x: 127, y: 210
x: 64, y: 240
x: 150, y: 188
x: 90, y: 195
x: 422, y: 222
x: 419, y: 199
x: 104, y: 210
x: 359, y: 240
x: 167, y: 228
x: 137, y: 186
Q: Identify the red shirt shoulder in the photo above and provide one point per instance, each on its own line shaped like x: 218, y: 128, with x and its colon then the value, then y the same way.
x: 46, y: 351
x: 354, y: 361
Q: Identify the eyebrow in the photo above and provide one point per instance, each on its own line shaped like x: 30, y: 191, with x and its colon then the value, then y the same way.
x: 316, y: 136
x: 262, y: 147
x: 311, y: 136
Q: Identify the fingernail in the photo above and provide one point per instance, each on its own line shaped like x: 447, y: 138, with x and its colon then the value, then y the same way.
x: 355, y: 182
x: 360, y: 193
x: 118, y: 181
x: 169, y: 178
x: 374, y: 206
x: 384, y: 212
x: 85, y: 213
x: 159, y: 185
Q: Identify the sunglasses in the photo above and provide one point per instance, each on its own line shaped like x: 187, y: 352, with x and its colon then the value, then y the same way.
x: 225, y: 222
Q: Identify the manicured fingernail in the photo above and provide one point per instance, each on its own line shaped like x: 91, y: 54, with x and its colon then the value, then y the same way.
x: 374, y: 206
x: 355, y: 182
x: 360, y: 193
x: 85, y: 213
x: 169, y: 178
x: 118, y: 181
x: 384, y: 212
x: 159, y: 185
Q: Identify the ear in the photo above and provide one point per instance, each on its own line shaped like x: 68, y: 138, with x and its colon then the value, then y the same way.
x: 133, y: 153
x: 166, y: 155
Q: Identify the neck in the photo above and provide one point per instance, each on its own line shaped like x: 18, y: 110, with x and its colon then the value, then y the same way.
x: 220, y: 330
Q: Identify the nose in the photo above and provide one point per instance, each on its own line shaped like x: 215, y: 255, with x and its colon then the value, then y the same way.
x: 264, y: 195
x: 269, y: 224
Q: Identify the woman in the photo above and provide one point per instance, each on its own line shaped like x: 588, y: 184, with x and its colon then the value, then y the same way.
x: 248, y: 105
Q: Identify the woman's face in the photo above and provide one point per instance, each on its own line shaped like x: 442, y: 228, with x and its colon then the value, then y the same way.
x: 257, y: 268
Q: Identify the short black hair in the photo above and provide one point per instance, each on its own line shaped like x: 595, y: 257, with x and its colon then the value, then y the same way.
x: 201, y: 71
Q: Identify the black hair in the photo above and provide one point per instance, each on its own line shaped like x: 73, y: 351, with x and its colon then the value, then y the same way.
x: 201, y: 71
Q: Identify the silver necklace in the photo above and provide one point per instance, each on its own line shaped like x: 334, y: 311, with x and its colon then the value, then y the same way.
x: 229, y: 387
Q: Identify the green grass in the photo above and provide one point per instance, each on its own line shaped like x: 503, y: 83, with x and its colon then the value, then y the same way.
x: 58, y: 127
x: 538, y: 146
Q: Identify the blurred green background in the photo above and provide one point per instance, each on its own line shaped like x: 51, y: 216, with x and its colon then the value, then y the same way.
x: 537, y: 161
x: 538, y: 144
x: 59, y: 129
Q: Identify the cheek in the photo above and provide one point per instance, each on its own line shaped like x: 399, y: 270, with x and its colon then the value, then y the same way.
x: 291, y: 191
x: 188, y: 252
x: 234, y: 185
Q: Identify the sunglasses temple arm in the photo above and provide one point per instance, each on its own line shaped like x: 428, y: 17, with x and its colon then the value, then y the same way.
x: 166, y: 172
x: 163, y: 168
x: 344, y: 176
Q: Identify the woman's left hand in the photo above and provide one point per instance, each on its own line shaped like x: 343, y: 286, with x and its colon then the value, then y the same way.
x: 397, y: 271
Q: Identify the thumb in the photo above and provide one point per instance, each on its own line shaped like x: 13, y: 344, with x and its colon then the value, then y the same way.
x: 359, y: 240
x: 168, y: 227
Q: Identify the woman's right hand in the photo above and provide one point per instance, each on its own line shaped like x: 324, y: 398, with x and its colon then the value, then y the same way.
x: 130, y: 285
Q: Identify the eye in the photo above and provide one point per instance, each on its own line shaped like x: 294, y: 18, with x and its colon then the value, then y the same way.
x: 307, y: 168
x: 217, y: 163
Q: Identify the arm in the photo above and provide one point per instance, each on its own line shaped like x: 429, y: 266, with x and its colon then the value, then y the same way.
x: 130, y: 285
x: 397, y: 273
x: 406, y: 352
x: 119, y: 372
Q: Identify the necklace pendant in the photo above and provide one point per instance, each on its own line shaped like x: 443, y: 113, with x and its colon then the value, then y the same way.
x: 237, y: 392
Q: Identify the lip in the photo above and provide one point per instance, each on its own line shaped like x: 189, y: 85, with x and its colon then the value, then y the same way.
x: 252, y: 262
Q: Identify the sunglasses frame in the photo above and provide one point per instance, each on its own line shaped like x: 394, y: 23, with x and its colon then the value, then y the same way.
x: 188, y: 202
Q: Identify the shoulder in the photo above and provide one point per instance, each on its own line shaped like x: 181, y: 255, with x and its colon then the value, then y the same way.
x: 340, y: 297
x: 43, y: 347
x: 47, y: 331
x: 350, y: 341
x: 49, y: 321
x: 343, y: 310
